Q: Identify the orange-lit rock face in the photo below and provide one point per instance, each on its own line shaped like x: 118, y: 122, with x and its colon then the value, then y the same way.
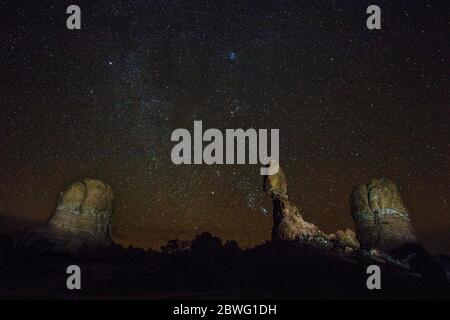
x: 291, y: 225
x: 276, y: 185
x: 83, y: 216
x: 288, y: 223
x: 381, y: 218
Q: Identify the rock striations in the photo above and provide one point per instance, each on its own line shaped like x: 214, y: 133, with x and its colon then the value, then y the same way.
x: 382, y: 220
x: 82, y: 217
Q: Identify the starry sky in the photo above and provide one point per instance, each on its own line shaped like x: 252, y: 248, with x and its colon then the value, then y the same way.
x: 351, y: 104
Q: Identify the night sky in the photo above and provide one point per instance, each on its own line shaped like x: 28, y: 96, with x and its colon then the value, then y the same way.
x: 351, y: 104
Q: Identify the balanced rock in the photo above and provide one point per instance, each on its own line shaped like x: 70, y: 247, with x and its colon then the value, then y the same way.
x: 83, y: 216
x: 288, y: 223
x: 382, y: 220
x: 275, y: 185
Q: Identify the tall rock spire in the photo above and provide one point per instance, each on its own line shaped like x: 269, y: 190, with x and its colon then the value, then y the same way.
x: 288, y: 223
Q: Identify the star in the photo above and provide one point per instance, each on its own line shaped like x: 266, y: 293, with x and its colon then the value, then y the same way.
x: 232, y: 56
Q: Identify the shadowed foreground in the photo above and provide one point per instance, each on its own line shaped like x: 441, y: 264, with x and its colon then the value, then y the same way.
x: 204, y: 268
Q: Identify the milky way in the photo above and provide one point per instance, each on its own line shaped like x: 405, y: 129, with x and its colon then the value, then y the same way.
x: 351, y: 104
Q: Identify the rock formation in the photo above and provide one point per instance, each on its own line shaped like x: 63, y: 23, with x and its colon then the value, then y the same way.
x: 291, y: 225
x: 83, y: 216
x: 288, y: 223
x: 275, y: 185
x: 381, y: 218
